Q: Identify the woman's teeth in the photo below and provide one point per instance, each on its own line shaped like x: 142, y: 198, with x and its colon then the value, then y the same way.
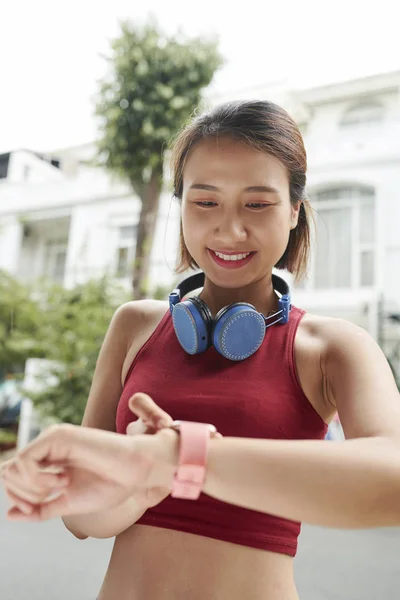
x: 231, y: 256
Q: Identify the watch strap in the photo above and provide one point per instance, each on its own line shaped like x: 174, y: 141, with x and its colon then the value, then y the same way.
x: 191, y: 472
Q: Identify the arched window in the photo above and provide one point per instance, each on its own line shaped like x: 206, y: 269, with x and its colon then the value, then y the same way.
x: 363, y: 114
x: 344, y: 252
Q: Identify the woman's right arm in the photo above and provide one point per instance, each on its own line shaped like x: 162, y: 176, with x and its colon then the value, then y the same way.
x: 101, y: 411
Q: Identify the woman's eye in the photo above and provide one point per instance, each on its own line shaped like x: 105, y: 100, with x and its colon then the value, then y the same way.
x: 206, y: 204
x: 257, y: 205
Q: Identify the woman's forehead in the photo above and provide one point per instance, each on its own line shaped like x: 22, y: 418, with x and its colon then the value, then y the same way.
x: 221, y: 160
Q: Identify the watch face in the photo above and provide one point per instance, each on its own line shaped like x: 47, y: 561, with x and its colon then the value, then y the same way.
x: 176, y: 425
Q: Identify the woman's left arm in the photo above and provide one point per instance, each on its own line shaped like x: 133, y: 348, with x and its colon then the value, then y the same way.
x: 350, y: 484
x: 353, y: 484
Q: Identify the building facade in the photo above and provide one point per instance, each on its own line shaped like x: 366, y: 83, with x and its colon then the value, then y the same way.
x: 71, y: 222
x: 62, y: 218
x: 352, y: 136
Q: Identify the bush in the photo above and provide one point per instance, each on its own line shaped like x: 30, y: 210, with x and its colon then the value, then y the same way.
x: 65, y: 327
x: 20, y: 320
x: 7, y: 437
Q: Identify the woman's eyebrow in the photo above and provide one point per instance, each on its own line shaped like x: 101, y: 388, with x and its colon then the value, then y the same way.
x: 253, y: 188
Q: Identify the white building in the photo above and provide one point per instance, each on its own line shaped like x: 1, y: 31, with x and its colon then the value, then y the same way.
x: 70, y: 221
x: 64, y: 219
x: 352, y: 136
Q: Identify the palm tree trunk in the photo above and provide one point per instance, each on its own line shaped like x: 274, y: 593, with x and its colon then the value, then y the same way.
x: 145, y: 234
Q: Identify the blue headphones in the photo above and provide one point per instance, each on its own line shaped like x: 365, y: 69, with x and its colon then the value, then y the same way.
x: 236, y: 332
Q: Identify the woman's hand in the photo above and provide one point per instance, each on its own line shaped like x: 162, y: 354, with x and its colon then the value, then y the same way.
x: 75, y: 470
x: 151, y: 419
x: 28, y: 488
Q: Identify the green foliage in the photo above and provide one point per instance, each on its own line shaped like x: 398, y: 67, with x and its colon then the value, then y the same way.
x: 153, y: 85
x: 66, y: 327
x: 20, y: 320
x: 76, y: 323
x: 7, y: 437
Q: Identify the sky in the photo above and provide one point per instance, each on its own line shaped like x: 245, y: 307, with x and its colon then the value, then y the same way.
x: 51, y: 53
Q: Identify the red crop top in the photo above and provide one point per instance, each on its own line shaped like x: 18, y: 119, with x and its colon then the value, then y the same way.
x: 259, y: 397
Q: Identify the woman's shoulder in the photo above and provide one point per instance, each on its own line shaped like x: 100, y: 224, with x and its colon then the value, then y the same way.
x: 321, y: 342
x: 140, y: 318
x: 331, y: 327
x: 135, y: 311
x: 334, y: 334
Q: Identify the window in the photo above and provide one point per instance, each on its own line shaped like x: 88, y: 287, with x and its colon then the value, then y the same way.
x: 55, y: 259
x: 4, y: 162
x: 344, y: 253
x: 125, y: 250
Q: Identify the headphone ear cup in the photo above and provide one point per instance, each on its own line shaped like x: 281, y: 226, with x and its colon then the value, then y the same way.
x: 239, y: 331
x: 203, y: 310
x: 192, y: 321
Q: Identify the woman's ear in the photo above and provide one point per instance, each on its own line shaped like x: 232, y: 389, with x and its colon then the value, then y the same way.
x: 295, y: 213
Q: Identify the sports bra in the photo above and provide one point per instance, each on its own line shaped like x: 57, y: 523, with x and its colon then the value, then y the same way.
x: 259, y: 397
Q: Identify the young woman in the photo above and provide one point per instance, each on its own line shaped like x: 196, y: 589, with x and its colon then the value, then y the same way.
x: 265, y: 374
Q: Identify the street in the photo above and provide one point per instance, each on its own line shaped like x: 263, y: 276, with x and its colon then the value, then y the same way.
x: 44, y: 562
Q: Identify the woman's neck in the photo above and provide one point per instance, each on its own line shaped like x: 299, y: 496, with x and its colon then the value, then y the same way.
x: 260, y: 294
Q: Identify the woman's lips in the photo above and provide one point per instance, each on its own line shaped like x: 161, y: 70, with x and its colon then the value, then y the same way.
x: 230, y: 264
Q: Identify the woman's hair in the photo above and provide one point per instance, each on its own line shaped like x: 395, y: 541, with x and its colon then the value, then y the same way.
x: 266, y: 127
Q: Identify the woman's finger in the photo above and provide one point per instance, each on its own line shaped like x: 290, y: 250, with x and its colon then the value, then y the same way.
x: 16, y: 514
x: 57, y: 507
x: 24, y: 468
x: 35, y: 496
x: 15, y: 483
x: 27, y: 474
x: 24, y: 494
x: 100, y: 452
x: 5, y: 466
x: 37, y: 488
x: 151, y: 414
x: 137, y: 428
x: 16, y: 502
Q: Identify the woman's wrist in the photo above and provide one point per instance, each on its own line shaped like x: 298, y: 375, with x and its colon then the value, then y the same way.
x: 161, y: 451
x: 165, y: 457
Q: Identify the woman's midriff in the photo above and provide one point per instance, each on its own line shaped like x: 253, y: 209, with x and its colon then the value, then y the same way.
x: 151, y: 563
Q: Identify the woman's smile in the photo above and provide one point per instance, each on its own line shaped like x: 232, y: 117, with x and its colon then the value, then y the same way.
x: 231, y: 261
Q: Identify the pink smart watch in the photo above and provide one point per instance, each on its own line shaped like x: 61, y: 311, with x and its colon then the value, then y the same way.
x: 191, y: 472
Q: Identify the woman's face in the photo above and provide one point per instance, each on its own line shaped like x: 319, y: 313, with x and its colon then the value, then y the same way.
x: 235, y: 201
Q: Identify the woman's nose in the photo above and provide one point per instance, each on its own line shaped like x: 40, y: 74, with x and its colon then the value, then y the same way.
x: 231, y: 229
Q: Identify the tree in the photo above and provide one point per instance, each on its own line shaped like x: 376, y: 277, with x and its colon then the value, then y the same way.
x: 153, y: 85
